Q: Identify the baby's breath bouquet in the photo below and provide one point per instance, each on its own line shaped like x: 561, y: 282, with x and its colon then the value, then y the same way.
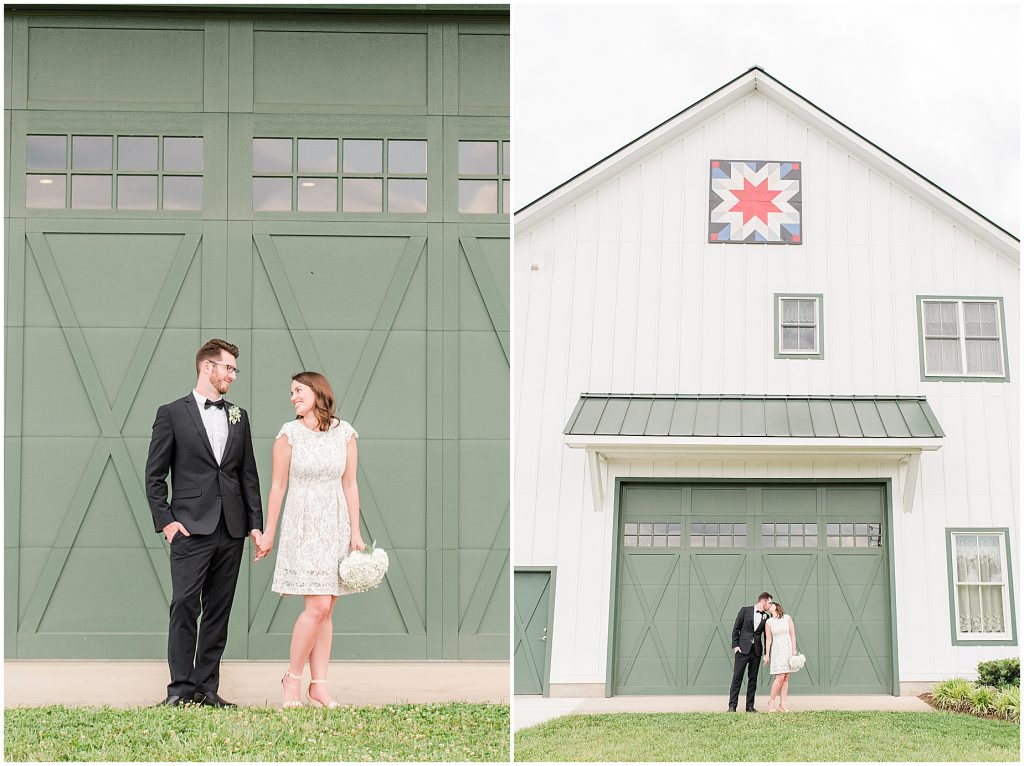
x: 365, y: 569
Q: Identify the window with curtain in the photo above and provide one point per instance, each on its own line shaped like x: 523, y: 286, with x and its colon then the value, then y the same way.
x: 981, y: 596
x: 798, y: 326
x: 962, y: 337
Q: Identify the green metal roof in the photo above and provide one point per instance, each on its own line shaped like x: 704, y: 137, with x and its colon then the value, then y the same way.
x: 772, y: 416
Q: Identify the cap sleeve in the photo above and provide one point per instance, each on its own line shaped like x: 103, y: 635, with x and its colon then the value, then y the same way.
x: 348, y: 432
x: 287, y: 430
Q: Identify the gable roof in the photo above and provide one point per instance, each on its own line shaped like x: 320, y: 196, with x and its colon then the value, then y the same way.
x: 757, y: 79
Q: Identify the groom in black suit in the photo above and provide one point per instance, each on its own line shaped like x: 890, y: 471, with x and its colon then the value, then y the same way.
x: 205, y: 442
x: 748, y: 648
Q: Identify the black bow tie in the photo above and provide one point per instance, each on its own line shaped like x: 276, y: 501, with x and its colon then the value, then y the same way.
x: 760, y: 612
x: 219, y: 404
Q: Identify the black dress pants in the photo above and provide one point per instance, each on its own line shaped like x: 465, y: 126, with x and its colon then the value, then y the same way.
x: 750, y: 662
x: 204, y: 570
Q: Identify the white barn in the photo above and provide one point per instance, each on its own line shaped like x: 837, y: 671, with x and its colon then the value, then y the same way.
x: 755, y: 351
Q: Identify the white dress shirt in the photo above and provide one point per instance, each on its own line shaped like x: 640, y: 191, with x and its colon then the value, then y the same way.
x: 215, y: 421
x: 757, y: 617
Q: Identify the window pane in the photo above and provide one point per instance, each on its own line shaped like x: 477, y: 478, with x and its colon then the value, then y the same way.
x: 136, y: 153
x: 362, y: 156
x: 807, y: 338
x: 91, y: 153
x: 832, y: 529
x: 711, y: 529
x: 673, y: 541
x: 673, y: 529
x: 407, y: 156
x: 739, y: 541
x: 506, y: 158
x: 833, y: 542
x: 989, y: 327
x: 992, y: 609
x: 846, y: 529
x: 271, y: 194
x: 990, y: 558
x: 697, y: 529
x: 661, y: 529
x: 318, y: 155
x: 629, y: 541
x: 807, y: 312
x: 183, y: 193
x: 932, y: 318
x: 984, y: 356
x: 790, y: 339
x: 942, y: 356
x: 407, y: 195
x: 362, y: 195
x: 781, y: 541
x: 768, y: 542
x: 860, y: 542
x: 45, y: 191
x: 183, y: 154
x: 696, y: 541
x: 810, y: 542
x: 505, y: 197
x: 646, y: 529
x: 318, y: 194
x: 725, y: 541
x: 965, y: 548
x: 739, y: 529
x: 725, y: 529
x: 272, y: 155
x: 972, y: 320
x: 790, y: 310
x: 860, y: 529
x: 46, y: 153
x: 767, y: 529
x: 710, y: 541
x: 136, y: 192
x: 659, y: 541
x: 478, y: 196
x: 950, y: 319
x: 848, y: 541
x: 645, y: 542
x: 968, y: 599
x: 478, y: 157
x: 630, y: 528
x: 91, y: 192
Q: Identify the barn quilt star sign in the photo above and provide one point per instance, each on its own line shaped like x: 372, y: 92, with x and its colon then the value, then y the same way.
x: 755, y: 201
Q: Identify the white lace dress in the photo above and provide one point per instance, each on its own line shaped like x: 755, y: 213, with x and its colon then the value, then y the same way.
x: 782, y: 645
x: 315, y: 528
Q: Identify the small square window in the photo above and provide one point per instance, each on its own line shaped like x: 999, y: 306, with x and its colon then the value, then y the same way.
x: 478, y: 158
x: 46, y: 153
x: 183, y: 154
x: 318, y: 155
x: 271, y: 155
x: 478, y: 196
x: 630, y: 527
x: 361, y: 195
x: 43, y: 191
x: 90, y: 192
x: 136, y: 153
x: 407, y: 157
x: 318, y: 194
x: 271, y: 194
x: 91, y: 153
x: 362, y: 156
x: 183, y: 193
x: 136, y: 192
x: 798, y: 327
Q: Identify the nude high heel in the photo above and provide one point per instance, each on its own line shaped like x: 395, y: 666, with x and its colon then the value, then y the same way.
x: 330, y: 704
x: 291, y: 703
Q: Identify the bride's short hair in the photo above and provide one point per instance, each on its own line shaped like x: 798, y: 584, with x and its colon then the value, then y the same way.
x: 324, y: 406
x: 778, y: 608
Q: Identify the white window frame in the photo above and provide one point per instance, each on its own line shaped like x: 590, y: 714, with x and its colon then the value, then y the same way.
x: 961, y: 338
x: 1008, y: 614
x: 784, y: 352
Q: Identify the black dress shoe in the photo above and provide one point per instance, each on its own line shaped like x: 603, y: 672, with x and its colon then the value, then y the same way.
x: 211, y: 699
x: 751, y: 710
x: 732, y: 710
x: 174, y: 701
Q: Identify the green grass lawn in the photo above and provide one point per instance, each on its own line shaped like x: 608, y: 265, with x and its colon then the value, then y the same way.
x: 450, y: 732
x: 819, y: 736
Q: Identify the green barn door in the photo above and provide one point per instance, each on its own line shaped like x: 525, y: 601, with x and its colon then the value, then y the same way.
x: 532, y: 645
x: 690, y: 556
x: 373, y: 264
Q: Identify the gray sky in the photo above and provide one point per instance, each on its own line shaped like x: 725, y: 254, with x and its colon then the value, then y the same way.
x: 936, y: 86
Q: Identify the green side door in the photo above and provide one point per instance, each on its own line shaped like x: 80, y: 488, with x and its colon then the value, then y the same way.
x: 534, y: 602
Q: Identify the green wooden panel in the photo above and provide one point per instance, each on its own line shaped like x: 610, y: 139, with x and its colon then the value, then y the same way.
x: 674, y: 608
x: 531, y: 655
x: 382, y: 70
x: 407, y: 314
x: 137, y: 68
x: 484, y: 69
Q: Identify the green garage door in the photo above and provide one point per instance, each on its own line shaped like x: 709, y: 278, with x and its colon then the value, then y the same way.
x: 689, y: 556
x: 299, y: 192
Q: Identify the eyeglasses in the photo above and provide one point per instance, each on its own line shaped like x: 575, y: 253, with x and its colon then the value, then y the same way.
x: 233, y: 370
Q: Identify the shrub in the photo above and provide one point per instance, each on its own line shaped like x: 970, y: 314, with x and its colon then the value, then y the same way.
x: 981, y: 699
x: 1000, y: 672
x: 954, y: 694
x: 1006, y: 703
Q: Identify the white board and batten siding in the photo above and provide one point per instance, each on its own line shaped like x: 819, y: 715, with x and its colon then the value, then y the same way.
x: 618, y: 290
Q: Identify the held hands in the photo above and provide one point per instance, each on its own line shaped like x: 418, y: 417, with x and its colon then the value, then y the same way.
x: 264, y: 545
x: 357, y: 542
x: 174, y: 527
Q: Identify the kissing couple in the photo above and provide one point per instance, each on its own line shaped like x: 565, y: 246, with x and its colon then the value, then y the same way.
x: 205, y: 442
x: 765, y: 618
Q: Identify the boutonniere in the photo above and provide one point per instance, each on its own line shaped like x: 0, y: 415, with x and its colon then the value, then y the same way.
x: 234, y: 414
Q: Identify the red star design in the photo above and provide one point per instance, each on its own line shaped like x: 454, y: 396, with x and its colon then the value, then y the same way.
x: 755, y: 201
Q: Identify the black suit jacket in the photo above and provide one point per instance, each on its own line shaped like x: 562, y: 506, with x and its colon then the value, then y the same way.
x: 743, y: 634
x: 201, y: 487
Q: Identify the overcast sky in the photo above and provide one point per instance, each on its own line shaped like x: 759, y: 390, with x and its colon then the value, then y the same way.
x: 936, y: 86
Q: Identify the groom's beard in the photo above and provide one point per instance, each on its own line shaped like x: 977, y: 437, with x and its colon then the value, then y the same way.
x: 222, y: 384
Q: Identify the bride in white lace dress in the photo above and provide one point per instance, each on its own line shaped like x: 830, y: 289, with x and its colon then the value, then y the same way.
x: 314, y: 458
x: 780, y: 646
